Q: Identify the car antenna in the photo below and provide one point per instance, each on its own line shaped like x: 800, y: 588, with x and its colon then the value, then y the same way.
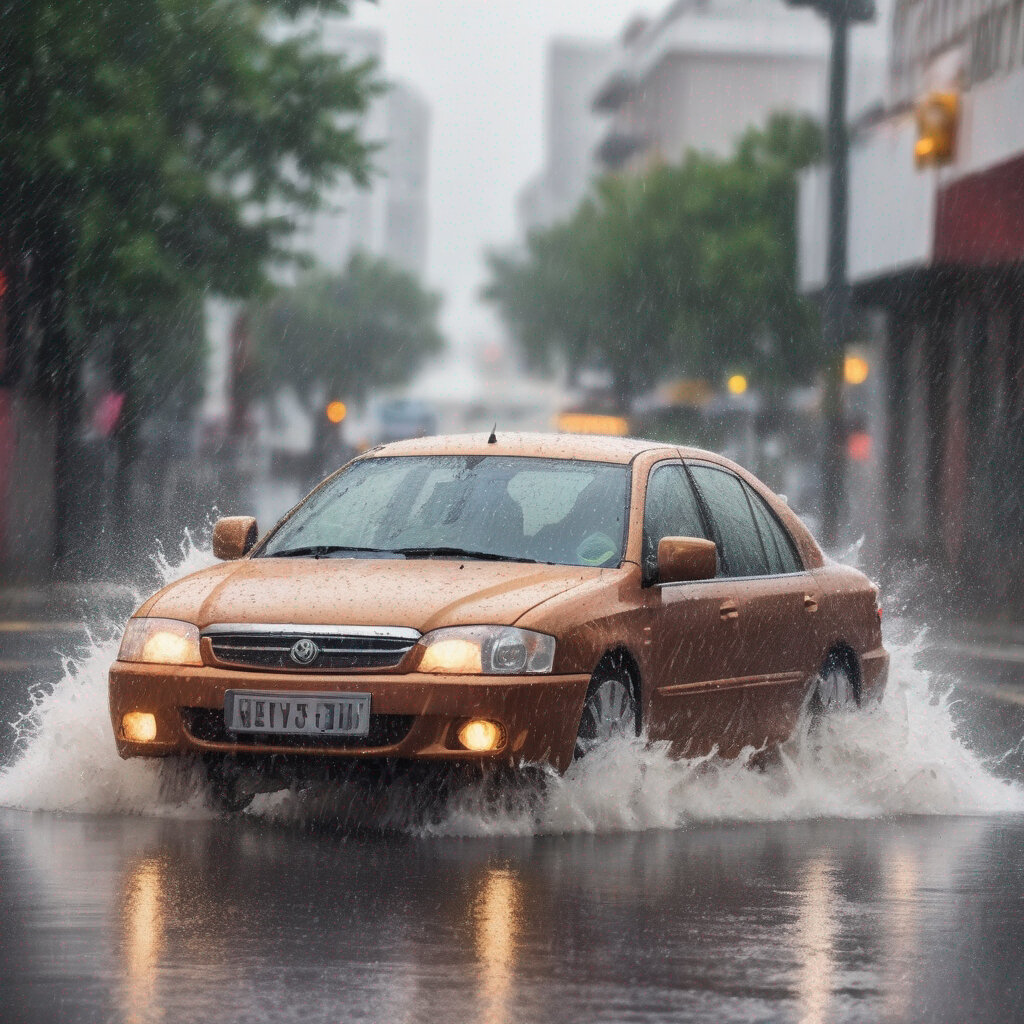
x: 493, y: 439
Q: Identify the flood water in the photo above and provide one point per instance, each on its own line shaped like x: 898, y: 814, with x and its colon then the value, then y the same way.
x: 873, y: 872
x: 133, y: 919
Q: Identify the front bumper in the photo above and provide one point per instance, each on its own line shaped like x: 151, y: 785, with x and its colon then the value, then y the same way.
x: 540, y: 714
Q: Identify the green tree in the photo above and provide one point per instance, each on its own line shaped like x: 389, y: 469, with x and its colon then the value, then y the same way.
x: 686, y: 268
x: 335, y: 337
x: 143, y: 146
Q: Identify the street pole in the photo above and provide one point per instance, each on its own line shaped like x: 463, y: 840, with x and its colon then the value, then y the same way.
x: 836, y: 297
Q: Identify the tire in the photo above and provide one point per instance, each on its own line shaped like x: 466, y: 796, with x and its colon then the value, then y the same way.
x: 225, y: 787
x: 835, y: 688
x: 610, y: 706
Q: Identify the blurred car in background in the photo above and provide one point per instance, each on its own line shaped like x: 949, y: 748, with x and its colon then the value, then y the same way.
x: 401, y: 418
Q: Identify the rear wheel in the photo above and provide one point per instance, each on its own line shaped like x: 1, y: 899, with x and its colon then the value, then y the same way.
x: 835, y: 688
x: 610, y: 707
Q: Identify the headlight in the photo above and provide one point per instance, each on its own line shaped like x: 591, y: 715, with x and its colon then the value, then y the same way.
x: 160, y: 642
x: 487, y: 650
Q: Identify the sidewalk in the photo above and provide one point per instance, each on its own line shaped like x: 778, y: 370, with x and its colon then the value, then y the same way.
x: 38, y: 621
x: 59, y: 601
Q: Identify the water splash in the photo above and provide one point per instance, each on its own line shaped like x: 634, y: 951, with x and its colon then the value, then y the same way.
x: 901, y: 756
x: 66, y: 759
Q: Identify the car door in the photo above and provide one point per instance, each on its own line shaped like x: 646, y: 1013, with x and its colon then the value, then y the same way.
x: 691, y: 636
x: 774, y: 611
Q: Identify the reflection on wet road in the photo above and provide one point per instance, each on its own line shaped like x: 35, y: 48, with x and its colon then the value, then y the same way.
x: 130, y: 919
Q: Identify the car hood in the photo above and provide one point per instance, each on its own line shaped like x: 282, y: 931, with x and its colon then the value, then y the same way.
x: 423, y: 593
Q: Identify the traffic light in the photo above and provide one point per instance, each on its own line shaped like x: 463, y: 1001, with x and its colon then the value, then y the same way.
x: 937, y: 116
x: 336, y: 411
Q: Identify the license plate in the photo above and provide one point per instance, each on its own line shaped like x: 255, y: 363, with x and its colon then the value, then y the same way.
x: 297, y: 714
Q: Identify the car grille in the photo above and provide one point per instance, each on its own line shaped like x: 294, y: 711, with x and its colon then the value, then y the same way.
x: 207, y: 725
x: 335, y: 652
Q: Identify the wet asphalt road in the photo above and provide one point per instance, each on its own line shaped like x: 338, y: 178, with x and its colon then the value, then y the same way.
x: 131, y: 919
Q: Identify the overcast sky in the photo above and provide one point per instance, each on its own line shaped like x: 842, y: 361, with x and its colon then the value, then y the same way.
x: 480, y: 64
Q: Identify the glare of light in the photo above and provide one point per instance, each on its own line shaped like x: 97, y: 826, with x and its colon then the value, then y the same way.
x: 139, y: 727
x: 901, y: 930
x: 855, y: 369
x: 817, y: 941
x: 336, y: 411
x: 479, y: 735
x: 143, y: 938
x: 592, y: 423
x: 452, y: 655
x: 497, y: 923
x: 167, y: 648
x: 737, y: 384
x: 858, y: 446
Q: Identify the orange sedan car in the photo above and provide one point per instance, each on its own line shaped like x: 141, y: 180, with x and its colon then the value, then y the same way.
x: 498, y: 601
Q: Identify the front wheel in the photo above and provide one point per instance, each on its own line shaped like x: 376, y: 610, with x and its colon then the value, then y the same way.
x: 227, y: 787
x: 610, y: 707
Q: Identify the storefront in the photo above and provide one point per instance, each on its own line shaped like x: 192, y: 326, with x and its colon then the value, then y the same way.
x: 938, y: 249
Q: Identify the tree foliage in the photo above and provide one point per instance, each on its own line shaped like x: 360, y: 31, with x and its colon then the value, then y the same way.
x: 337, y: 336
x: 143, y: 146
x: 152, y: 152
x: 685, y: 269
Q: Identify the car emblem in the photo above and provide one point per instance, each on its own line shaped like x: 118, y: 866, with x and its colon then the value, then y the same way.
x: 304, y: 651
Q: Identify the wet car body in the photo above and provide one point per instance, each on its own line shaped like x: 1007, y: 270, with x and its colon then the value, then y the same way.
x: 720, y: 662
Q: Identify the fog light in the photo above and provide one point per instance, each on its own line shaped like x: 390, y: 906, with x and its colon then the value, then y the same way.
x: 139, y: 727
x: 480, y: 735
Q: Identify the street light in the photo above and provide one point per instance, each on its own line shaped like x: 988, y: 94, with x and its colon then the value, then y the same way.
x: 836, y: 296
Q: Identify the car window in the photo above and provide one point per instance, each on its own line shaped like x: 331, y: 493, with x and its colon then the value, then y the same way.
x: 671, y: 510
x: 779, y: 546
x: 545, y: 510
x: 741, y: 552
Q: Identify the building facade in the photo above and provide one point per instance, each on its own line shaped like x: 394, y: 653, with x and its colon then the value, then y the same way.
x: 702, y: 73
x: 938, y: 252
x: 389, y: 217
x: 406, y: 166
x: 572, y: 130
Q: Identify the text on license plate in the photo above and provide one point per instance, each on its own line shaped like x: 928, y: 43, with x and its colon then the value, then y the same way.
x: 320, y: 714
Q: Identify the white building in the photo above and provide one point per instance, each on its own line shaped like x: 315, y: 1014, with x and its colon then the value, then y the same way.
x: 388, y: 218
x: 572, y: 130
x: 406, y: 162
x: 351, y: 217
x: 703, y: 72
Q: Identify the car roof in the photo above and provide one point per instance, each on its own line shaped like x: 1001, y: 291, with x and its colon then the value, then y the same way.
x: 584, y: 447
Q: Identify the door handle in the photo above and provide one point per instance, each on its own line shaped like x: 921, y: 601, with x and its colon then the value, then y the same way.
x: 810, y: 603
x: 729, y: 610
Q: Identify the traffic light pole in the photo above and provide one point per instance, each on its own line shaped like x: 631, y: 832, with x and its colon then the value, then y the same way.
x: 836, y: 296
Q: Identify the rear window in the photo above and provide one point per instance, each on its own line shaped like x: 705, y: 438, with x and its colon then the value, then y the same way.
x: 742, y: 553
x: 778, y: 545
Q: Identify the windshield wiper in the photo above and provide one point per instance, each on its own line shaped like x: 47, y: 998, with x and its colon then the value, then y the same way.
x: 324, y: 550
x: 463, y: 553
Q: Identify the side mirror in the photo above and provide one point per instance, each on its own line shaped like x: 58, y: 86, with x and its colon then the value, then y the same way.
x: 234, y: 536
x: 684, y: 559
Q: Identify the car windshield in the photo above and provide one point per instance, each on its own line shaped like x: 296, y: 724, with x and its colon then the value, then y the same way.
x: 514, y: 508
